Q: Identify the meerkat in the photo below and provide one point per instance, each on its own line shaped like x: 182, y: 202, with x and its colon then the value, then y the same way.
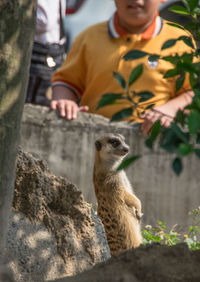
x: 118, y: 208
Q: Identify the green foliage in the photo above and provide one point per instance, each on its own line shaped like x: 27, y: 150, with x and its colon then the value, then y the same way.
x: 135, y: 74
x: 155, y: 130
x: 177, y: 165
x: 158, y: 234
x: 133, y: 97
x: 182, y: 138
x: 109, y: 99
x: 134, y: 55
x: 127, y: 162
x: 125, y: 113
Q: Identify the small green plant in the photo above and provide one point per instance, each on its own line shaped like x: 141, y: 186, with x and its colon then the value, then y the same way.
x: 158, y: 234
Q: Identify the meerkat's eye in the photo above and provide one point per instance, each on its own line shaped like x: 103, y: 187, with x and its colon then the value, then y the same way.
x: 114, y: 142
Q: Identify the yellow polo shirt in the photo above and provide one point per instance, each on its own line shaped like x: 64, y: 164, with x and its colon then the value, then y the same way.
x: 98, y: 52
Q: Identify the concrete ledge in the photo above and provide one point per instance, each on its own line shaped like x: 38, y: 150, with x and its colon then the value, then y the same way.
x: 68, y: 148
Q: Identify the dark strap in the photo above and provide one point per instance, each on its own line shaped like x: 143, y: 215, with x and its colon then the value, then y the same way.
x: 53, y: 50
x: 62, y: 34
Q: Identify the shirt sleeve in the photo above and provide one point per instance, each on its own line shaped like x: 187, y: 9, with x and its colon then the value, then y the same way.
x: 72, y: 73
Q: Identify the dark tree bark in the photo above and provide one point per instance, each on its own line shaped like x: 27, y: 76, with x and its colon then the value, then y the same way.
x: 17, y: 19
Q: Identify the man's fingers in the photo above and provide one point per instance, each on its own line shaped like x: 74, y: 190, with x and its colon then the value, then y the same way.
x: 146, y: 126
x: 61, y: 108
x: 83, y: 109
x: 165, y: 121
x: 74, y: 111
x: 68, y: 109
x: 149, y: 119
x: 53, y: 105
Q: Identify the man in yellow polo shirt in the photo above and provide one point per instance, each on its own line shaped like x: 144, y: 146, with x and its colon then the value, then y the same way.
x: 97, y: 52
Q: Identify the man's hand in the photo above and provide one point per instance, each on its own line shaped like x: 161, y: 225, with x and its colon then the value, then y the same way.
x: 65, y: 101
x: 67, y: 108
x: 165, y: 113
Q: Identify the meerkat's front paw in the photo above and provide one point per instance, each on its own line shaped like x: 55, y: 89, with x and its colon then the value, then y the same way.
x: 138, y: 214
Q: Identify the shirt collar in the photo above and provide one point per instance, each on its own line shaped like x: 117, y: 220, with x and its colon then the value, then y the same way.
x: 117, y: 31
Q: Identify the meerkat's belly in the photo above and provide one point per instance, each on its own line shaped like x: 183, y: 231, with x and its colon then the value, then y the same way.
x: 125, y: 181
x: 122, y: 229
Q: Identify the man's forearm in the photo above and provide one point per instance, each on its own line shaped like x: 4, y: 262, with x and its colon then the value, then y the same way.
x: 61, y: 92
x: 181, y: 101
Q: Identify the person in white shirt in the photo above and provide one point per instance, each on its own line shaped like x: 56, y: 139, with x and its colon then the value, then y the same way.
x: 49, y: 46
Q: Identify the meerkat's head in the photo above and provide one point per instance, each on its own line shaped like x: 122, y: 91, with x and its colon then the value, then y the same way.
x: 111, y: 149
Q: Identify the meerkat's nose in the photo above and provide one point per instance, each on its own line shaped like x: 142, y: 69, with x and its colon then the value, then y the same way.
x: 126, y: 149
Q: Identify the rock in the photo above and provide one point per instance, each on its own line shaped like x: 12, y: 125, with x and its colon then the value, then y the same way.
x: 52, y: 232
x: 153, y: 263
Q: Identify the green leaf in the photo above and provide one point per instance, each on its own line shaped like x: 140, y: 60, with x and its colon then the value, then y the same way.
x: 194, y: 122
x: 153, y: 57
x: 193, y: 80
x: 134, y: 54
x: 135, y: 74
x: 179, y: 82
x: 188, y: 58
x: 197, y: 152
x: 144, y: 96
x: 182, y: 135
x: 180, y: 117
x: 177, y: 165
x: 187, y: 40
x: 197, y: 10
x: 185, y: 149
x: 191, y: 26
x: 127, y: 162
x: 170, y: 73
x: 120, y: 79
x: 155, y: 130
x: 171, y: 59
x: 179, y: 10
x: 127, y: 112
x: 198, y: 139
x: 193, y: 4
x: 150, y: 106
x: 169, y: 43
x: 149, y: 143
x: 109, y: 99
x: 176, y: 25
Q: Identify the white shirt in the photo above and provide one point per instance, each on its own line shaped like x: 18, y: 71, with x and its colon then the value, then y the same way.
x: 48, y: 21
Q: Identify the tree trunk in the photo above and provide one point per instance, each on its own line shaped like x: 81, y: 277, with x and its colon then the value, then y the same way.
x: 17, y: 19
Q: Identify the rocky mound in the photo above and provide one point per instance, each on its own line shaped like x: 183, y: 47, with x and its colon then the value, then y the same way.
x: 153, y: 263
x: 52, y: 231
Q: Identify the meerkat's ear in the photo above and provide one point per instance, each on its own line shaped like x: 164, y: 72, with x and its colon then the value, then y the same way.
x: 121, y: 136
x: 98, y: 145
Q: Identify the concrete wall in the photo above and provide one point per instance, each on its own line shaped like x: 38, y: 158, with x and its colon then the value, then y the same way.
x: 68, y: 148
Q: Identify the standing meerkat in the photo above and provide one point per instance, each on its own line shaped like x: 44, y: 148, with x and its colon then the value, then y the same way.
x: 118, y: 208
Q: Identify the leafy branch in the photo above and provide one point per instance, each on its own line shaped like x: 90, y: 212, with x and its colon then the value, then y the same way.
x: 182, y: 138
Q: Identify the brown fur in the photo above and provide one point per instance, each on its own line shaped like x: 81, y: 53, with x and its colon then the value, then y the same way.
x: 119, y: 210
